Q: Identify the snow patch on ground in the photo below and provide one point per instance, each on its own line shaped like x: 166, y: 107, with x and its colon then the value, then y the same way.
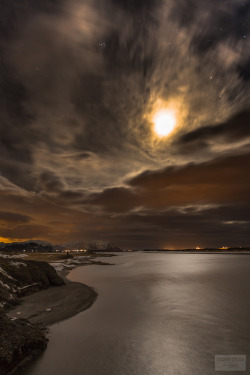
x: 13, y: 256
x: 82, y: 257
x: 5, y: 273
x: 4, y: 285
x: 58, y: 266
x: 18, y: 264
x: 62, y: 266
x: 69, y: 263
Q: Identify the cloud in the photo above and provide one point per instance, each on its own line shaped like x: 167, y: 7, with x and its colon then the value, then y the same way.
x: 173, y: 229
x: 220, y: 181
x: 49, y: 182
x: 234, y: 130
x: 23, y: 232
x: 13, y: 217
x: 216, y: 181
x: 7, y: 186
x: 115, y: 200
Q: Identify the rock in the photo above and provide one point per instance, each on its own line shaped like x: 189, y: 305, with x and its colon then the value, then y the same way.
x: 19, y: 341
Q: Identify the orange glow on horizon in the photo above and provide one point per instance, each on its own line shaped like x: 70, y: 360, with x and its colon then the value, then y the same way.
x: 9, y: 240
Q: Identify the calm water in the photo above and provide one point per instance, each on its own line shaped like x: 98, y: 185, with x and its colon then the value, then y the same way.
x: 156, y: 314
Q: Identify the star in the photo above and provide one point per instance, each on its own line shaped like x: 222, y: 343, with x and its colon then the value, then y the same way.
x: 102, y: 44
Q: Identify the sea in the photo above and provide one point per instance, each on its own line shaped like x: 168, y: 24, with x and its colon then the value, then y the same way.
x: 156, y: 314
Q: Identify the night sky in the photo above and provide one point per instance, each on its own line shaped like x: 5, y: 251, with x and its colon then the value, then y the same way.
x: 80, y: 85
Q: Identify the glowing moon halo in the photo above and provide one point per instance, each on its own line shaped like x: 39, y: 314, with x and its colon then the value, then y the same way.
x: 164, y: 122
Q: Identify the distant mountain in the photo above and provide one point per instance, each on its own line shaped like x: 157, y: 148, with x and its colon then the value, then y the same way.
x: 29, y: 246
x: 38, y: 242
x: 73, y: 245
x: 112, y: 247
x: 90, y: 246
x: 43, y: 246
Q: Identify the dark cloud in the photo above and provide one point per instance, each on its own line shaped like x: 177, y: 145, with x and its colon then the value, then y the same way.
x: 217, y: 181
x: 23, y: 232
x: 214, y: 226
x: 80, y: 156
x: 16, y: 157
x: 12, y: 217
x: 115, y: 200
x: 136, y: 5
x: 236, y: 128
x: 49, y: 182
x: 220, y: 181
x: 231, y: 21
x: 244, y: 70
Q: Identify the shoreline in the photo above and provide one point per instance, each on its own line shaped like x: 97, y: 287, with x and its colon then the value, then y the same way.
x: 50, y: 306
x: 55, y: 304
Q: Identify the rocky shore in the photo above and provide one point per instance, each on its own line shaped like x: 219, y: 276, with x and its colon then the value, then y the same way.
x: 53, y: 305
x: 32, y: 297
x: 20, y: 342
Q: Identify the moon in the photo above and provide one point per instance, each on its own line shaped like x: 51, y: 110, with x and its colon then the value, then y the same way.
x: 164, y: 122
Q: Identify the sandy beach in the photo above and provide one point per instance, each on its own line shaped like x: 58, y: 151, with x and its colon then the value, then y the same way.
x: 55, y: 304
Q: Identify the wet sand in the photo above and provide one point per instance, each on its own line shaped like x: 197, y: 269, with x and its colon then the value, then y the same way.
x: 55, y: 304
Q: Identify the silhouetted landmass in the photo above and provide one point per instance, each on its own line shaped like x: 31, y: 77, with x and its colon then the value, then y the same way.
x: 221, y: 250
x: 45, y: 247
x: 110, y: 247
x: 27, y: 246
x: 20, y: 340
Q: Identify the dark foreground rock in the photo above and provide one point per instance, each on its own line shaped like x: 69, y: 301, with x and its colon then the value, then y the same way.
x: 19, y: 277
x: 19, y: 341
x: 56, y: 299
